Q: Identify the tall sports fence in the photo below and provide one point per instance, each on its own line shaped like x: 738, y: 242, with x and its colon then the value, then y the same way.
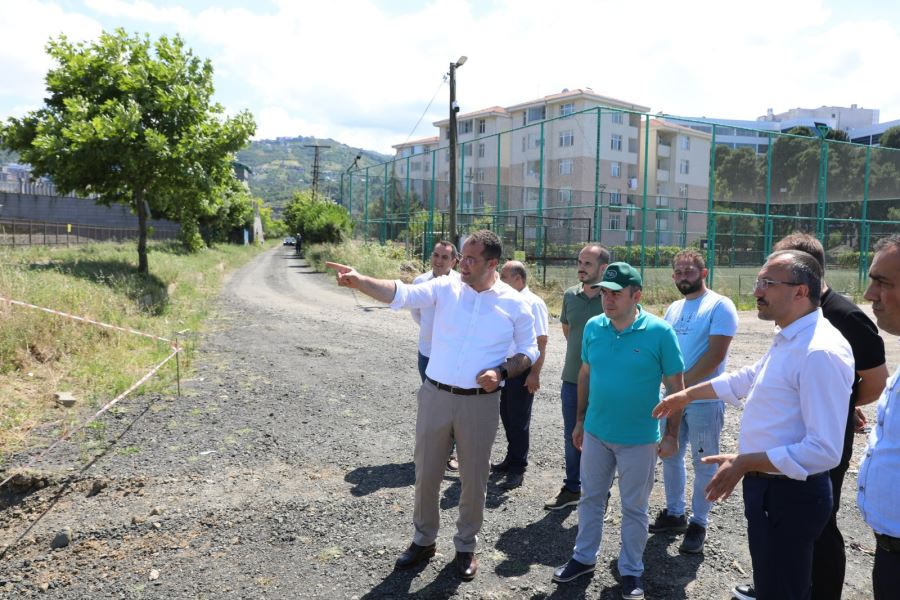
x: 643, y: 185
x: 21, y: 232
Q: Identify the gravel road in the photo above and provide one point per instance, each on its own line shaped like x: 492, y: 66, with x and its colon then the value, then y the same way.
x: 285, y: 471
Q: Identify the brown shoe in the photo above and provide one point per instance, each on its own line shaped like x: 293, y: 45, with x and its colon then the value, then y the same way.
x: 414, y: 555
x: 452, y: 464
x: 466, y: 565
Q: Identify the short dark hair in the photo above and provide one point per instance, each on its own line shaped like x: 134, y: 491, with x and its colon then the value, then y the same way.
x: 602, y: 251
x: 446, y: 243
x: 798, y: 240
x: 891, y: 241
x: 805, y: 270
x: 493, y: 249
x: 692, y: 255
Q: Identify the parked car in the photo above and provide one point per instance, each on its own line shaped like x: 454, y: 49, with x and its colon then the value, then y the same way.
x: 288, y: 241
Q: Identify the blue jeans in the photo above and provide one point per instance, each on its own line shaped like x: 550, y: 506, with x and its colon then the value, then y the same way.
x: 423, y: 364
x: 784, y: 519
x: 636, y: 465
x: 569, y: 395
x: 701, y: 425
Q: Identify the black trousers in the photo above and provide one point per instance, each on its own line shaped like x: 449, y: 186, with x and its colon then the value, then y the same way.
x: 784, y: 519
x: 515, y: 413
x: 886, y: 574
x: 829, y: 556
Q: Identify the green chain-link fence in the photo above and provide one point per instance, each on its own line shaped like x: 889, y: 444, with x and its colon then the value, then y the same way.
x: 644, y: 186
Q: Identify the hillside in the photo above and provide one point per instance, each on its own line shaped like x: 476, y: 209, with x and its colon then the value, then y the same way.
x: 284, y: 165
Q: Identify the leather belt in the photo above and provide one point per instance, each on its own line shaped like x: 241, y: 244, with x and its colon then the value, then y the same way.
x: 458, y: 390
x: 763, y: 475
x: 887, y: 543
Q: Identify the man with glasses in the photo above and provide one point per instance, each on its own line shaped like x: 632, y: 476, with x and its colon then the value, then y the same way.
x: 705, y: 323
x: 443, y: 260
x: 792, y: 429
x: 829, y: 557
x: 476, y: 318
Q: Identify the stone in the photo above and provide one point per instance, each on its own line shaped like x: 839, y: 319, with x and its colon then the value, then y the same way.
x: 62, y: 539
x: 65, y: 399
x: 154, y: 575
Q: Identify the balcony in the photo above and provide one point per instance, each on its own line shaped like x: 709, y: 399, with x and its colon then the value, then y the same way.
x: 663, y: 150
x: 662, y: 175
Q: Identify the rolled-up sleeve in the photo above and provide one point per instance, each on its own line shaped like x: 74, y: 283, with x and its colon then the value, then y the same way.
x: 826, y: 381
x: 524, y: 338
x: 731, y: 387
x: 418, y: 295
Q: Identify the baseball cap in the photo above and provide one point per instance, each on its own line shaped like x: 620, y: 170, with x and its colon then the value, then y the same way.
x: 620, y: 275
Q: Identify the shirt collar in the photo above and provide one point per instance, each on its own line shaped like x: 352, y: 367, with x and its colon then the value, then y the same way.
x: 794, y: 329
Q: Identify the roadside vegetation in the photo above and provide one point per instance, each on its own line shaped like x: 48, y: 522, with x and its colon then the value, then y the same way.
x: 41, y: 354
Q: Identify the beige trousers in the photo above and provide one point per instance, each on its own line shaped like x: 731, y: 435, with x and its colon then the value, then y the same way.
x: 471, y: 421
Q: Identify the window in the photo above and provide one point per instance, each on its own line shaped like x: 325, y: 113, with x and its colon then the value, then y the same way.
x: 480, y: 150
x: 565, y: 166
x: 480, y: 198
x: 566, y: 138
x: 662, y: 201
x: 467, y: 149
x: 662, y: 223
x: 683, y: 191
x: 618, y: 118
x: 615, y: 142
x: 538, y: 113
x: 614, y: 222
x: 427, y: 167
x: 532, y: 168
x: 530, y: 197
x: 565, y: 196
x: 615, y: 169
x: 479, y: 175
x: 523, y: 143
x: 534, y: 140
x: 416, y: 166
x: 566, y: 109
x: 684, y: 142
x: 464, y: 127
x: 684, y: 166
x: 482, y: 126
x: 615, y: 198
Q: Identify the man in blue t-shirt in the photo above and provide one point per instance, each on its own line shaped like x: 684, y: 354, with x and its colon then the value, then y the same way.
x: 625, y: 353
x: 705, y: 323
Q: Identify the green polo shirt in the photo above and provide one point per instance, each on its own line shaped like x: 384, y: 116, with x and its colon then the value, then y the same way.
x: 626, y: 371
x: 576, y: 310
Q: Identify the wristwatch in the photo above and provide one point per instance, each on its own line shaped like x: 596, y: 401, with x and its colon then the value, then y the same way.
x: 504, y: 374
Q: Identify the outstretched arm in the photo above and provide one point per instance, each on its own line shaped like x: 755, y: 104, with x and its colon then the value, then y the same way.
x: 382, y: 290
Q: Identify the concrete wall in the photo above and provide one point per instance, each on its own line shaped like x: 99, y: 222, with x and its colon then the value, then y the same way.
x: 56, y: 209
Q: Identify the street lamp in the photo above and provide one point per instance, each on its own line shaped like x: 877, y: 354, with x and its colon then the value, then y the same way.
x: 350, y: 185
x: 454, y: 108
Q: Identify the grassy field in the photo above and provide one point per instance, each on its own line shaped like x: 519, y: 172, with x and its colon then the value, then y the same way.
x: 41, y: 354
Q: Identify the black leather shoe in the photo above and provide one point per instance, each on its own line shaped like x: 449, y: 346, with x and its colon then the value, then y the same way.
x: 414, y: 555
x: 500, y: 467
x: 466, y: 565
x: 512, y: 481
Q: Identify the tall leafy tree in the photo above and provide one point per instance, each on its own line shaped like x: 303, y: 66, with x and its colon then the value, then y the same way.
x: 132, y: 120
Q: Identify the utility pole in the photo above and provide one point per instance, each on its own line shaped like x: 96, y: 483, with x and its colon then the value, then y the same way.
x: 315, y: 182
x: 454, y: 108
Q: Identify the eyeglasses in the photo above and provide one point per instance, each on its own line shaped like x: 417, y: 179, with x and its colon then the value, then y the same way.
x: 764, y: 284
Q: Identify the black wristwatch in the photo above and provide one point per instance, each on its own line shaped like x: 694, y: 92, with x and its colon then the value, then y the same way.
x: 504, y: 374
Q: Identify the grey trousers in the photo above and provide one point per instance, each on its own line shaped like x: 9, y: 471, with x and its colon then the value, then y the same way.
x: 471, y: 421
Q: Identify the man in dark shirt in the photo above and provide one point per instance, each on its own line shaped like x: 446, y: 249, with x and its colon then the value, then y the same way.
x: 829, y: 558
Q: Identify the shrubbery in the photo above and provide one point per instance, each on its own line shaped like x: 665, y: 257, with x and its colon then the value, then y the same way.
x: 319, y: 221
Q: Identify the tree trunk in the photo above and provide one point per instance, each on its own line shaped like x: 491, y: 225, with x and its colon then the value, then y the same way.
x: 143, y: 266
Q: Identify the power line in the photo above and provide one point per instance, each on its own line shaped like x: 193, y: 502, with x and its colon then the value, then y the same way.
x: 424, y: 112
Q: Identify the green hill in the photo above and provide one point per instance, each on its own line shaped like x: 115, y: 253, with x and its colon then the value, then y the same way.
x: 284, y: 165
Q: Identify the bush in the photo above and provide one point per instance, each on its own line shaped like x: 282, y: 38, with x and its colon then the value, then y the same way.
x: 319, y: 221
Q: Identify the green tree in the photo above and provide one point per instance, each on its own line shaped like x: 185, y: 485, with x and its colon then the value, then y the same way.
x: 318, y: 221
x: 132, y: 121
x: 890, y: 138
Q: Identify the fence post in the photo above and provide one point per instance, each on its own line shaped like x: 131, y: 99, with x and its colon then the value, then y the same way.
x: 598, y: 221
x: 384, y: 203
x: 407, y: 204
x: 539, y: 250
x: 499, y: 207
x: 710, y: 216
x: 644, y: 195
x: 767, y: 223
x: 366, y: 208
x: 864, y: 225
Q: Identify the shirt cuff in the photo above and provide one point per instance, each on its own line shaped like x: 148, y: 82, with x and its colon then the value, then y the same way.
x: 400, y: 296
x: 723, y: 391
x: 782, y: 460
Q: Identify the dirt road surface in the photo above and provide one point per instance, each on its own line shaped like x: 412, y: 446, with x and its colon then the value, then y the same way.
x: 285, y: 471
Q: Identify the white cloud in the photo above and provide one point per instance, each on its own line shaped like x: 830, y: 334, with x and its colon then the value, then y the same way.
x: 348, y: 70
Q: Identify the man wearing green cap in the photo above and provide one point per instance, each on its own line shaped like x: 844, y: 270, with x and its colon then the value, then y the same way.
x: 625, y: 353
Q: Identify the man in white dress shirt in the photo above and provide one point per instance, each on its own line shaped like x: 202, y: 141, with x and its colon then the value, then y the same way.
x: 476, y: 319
x: 878, y: 494
x: 517, y: 395
x: 792, y: 430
